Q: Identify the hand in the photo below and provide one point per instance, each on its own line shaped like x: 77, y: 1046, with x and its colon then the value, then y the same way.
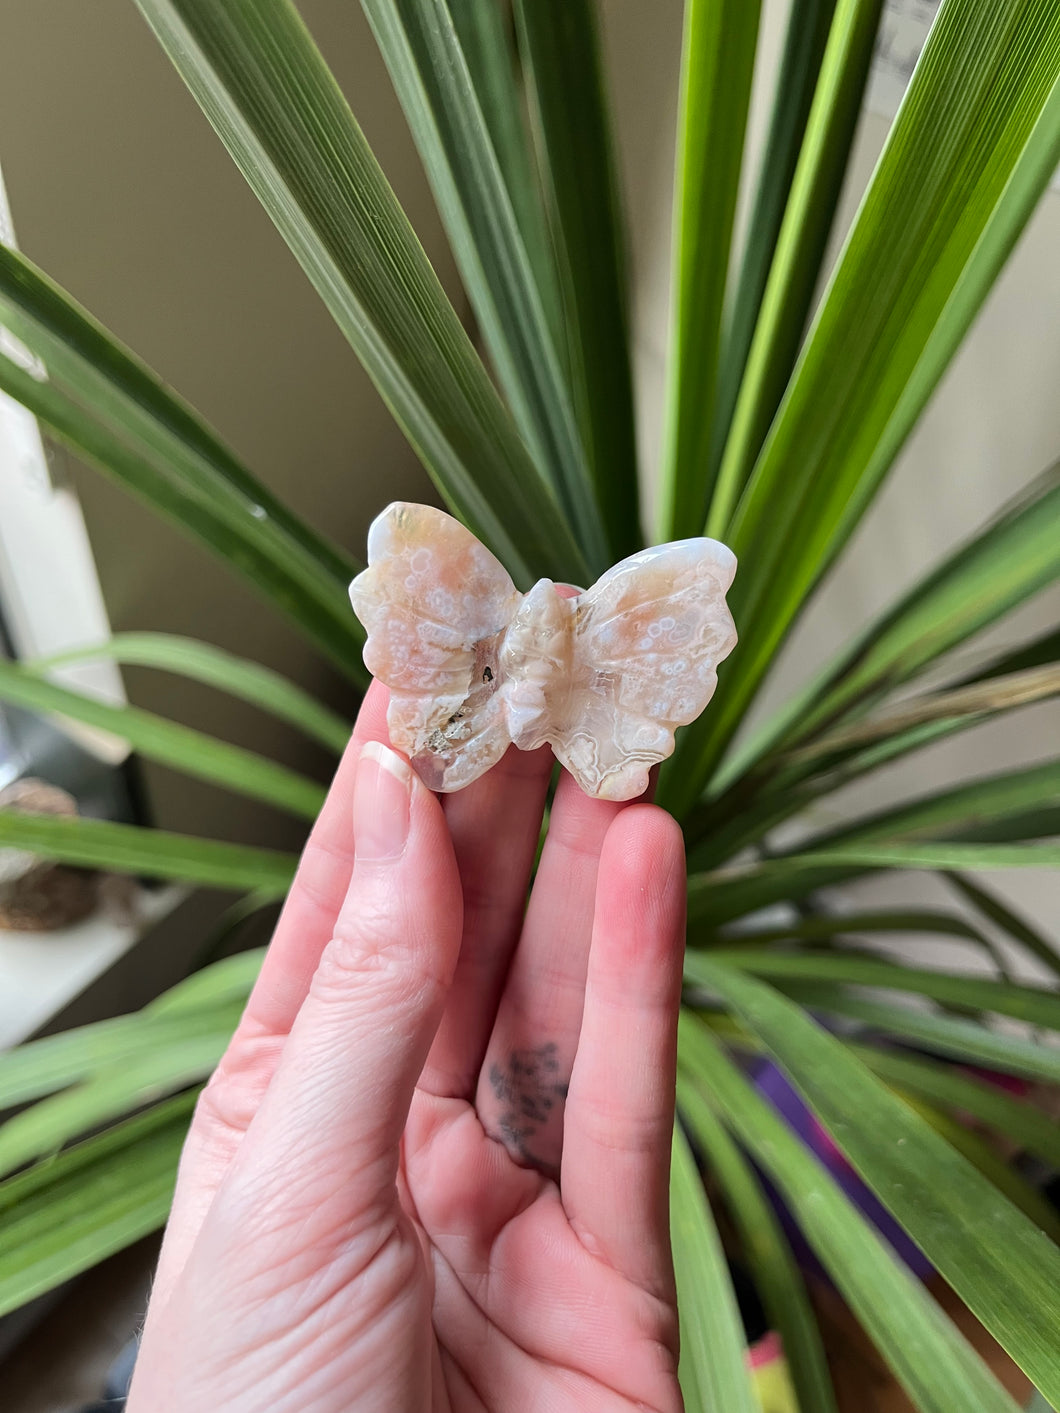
x: 431, y: 1170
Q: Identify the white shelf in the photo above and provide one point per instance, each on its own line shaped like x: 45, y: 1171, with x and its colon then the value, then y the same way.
x: 41, y: 972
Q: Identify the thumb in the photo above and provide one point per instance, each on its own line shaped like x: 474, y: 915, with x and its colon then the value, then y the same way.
x: 340, y: 1096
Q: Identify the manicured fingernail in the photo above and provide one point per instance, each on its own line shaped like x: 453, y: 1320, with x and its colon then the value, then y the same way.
x: 381, y: 796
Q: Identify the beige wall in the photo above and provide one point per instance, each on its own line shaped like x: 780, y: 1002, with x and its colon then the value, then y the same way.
x: 122, y: 192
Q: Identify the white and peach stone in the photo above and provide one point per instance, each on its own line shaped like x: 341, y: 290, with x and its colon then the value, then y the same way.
x: 473, y: 665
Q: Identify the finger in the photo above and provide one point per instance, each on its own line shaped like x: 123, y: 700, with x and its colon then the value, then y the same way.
x: 310, y: 1196
x: 242, y: 1077
x: 620, y: 1108
x: 302, y: 931
x: 531, y: 1049
x: 330, y: 1124
x: 495, y: 825
x: 316, y: 895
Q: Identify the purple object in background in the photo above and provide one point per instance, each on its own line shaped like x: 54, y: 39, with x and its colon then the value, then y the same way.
x: 773, y: 1085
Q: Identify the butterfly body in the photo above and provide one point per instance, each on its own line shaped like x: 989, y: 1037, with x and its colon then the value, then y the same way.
x: 536, y: 665
x: 474, y: 666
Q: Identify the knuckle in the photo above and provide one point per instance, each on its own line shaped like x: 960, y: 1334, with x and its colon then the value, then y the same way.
x: 234, y: 1091
x: 371, y: 960
x: 614, y: 1129
x: 368, y: 925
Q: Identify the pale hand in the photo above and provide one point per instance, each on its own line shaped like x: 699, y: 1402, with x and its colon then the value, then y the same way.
x: 431, y: 1171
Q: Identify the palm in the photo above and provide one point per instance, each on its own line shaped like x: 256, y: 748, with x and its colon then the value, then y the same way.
x: 523, y: 1313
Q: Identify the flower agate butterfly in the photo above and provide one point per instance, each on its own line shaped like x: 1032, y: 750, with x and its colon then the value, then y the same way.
x: 474, y: 666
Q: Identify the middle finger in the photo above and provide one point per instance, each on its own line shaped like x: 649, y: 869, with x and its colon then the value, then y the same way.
x: 494, y: 824
x: 528, y: 1061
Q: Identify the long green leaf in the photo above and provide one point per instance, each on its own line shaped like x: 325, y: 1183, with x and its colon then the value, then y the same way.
x: 713, y: 1367
x: 985, y: 844
x: 967, y: 810
x: 728, y: 893
x: 228, y: 981
x: 1027, y: 1003
x: 983, y: 1156
x: 969, y: 1041
x: 944, y: 1083
x: 202, y: 662
x: 853, y: 752
x: 967, y: 826
x: 1012, y: 558
x: 717, y: 67
x: 45, y: 1066
x: 561, y: 51
x: 997, y: 1261
x: 956, y: 708
x: 1031, y: 1128
x: 809, y: 22
x: 1006, y: 562
x: 931, y: 1359
x: 828, y: 928
x: 228, y: 530
x: 488, y: 41
x: 975, y: 143
x: 262, y: 83
x: 785, y: 785
x: 985, y: 180
x: 112, y: 1093
x: 423, y: 52
x: 63, y: 1216
x: 126, y: 848
x: 776, y: 1276
x: 192, y: 752
x: 800, y: 249
x: 1018, y: 928
x: 103, y: 392
x: 825, y: 926
x: 79, y: 352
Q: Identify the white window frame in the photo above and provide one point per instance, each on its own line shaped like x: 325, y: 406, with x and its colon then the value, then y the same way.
x: 50, y: 595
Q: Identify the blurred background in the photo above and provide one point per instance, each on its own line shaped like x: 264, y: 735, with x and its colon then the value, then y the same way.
x: 119, y: 189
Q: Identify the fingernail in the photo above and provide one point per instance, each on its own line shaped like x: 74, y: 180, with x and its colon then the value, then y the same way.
x: 381, y: 796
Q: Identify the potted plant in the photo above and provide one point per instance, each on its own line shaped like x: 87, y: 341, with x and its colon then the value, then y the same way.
x: 782, y: 422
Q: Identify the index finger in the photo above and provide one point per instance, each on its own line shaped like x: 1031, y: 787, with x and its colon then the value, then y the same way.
x: 318, y: 890
x: 233, y: 1096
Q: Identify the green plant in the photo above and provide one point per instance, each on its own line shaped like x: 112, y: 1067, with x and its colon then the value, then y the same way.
x: 778, y: 437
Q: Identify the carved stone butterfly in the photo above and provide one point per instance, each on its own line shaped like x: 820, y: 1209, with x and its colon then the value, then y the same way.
x: 474, y: 666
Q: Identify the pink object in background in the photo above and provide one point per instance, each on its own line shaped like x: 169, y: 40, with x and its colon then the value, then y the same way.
x: 770, y: 1376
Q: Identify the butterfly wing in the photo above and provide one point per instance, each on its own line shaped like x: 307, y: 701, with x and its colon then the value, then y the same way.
x: 648, y: 639
x: 435, y: 605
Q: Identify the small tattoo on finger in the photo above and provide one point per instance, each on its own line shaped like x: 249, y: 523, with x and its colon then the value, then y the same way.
x: 530, y: 1089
